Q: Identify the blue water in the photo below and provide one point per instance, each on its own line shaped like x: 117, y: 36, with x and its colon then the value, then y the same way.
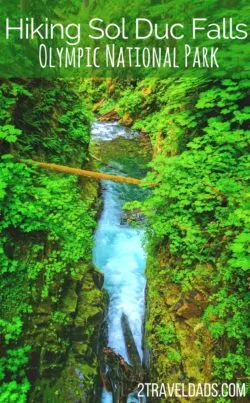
x: 120, y: 255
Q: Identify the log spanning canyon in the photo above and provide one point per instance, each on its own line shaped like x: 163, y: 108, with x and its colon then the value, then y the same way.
x: 82, y: 172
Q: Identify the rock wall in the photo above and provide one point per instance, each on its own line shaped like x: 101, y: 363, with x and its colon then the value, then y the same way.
x: 178, y: 348
x: 65, y: 350
x: 65, y: 335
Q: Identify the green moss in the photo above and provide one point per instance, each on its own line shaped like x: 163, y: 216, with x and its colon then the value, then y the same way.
x: 180, y: 348
x: 46, y: 236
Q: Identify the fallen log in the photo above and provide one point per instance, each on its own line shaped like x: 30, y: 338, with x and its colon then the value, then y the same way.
x: 132, y: 351
x: 118, y: 376
x: 109, y: 116
x: 82, y: 172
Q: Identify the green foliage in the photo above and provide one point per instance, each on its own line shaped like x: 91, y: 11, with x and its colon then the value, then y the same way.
x: 46, y: 226
x: 59, y: 317
x: 9, y: 133
x: 57, y: 122
x: 108, y: 106
x: 13, y: 365
x: 93, y: 91
x: 198, y: 212
x: 166, y: 334
x: 41, y: 203
x: 199, y: 208
x: 14, y: 391
x: 11, y: 330
x: 173, y: 355
x: 130, y: 102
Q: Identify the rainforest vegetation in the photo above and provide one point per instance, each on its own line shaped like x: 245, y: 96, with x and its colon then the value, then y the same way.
x: 196, y: 215
x: 46, y: 223
x: 198, y: 211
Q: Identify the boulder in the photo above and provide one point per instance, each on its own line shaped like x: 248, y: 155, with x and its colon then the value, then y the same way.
x: 189, y: 310
x: 132, y: 215
x: 98, y: 278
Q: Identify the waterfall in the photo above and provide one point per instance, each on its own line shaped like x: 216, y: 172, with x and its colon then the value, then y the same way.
x: 119, y: 254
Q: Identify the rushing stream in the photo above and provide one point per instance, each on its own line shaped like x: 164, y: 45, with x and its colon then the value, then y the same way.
x: 118, y: 251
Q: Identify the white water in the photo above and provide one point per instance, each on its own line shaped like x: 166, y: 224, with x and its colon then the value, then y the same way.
x: 119, y: 254
x: 111, y: 130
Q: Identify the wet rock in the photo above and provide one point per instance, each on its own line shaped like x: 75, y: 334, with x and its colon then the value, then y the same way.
x: 98, y: 278
x: 109, y: 116
x: 132, y: 215
x: 118, y: 376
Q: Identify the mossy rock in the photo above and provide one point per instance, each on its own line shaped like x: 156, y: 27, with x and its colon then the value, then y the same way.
x: 126, y: 119
x: 186, y: 356
x: 70, y: 298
